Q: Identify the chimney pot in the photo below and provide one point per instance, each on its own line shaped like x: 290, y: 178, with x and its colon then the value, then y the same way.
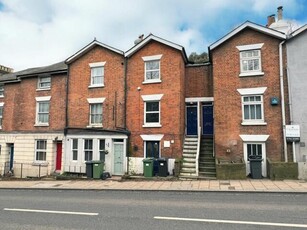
x: 279, y: 12
x: 271, y: 20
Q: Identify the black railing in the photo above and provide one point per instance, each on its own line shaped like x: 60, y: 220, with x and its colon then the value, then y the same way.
x: 25, y: 170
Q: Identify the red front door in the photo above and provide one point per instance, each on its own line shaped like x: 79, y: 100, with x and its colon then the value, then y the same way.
x: 58, y: 156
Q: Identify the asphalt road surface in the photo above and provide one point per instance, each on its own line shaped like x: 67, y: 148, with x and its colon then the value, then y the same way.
x: 62, y: 209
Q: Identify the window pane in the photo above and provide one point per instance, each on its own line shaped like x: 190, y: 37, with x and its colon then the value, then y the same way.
x: 101, y: 144
x: 258, y: 111
x: 152, y: 117
x: 152, y: 106
x: 246, y: 112
x: 152, y: 65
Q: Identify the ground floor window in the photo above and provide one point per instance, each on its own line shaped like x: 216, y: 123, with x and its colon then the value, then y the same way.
x: 88, y: 149
x: 254, y: 150
x: 102, y: 147
x: 74, y: 149
x: 40, y: 150
x: 152, y: 149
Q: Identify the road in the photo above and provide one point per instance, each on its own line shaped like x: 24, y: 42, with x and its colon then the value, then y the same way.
x: 62, y: 209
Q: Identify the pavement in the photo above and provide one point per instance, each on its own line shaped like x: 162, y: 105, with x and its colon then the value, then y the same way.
x: 158, y: 184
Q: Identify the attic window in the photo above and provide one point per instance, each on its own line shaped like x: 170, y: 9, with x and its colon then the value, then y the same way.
x: 152, y: 69
x: 44, y: 82
x: 250, y: 60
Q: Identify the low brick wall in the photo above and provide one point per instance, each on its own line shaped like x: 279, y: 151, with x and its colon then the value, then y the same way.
x: 282, y: 170
x: 229, y: 170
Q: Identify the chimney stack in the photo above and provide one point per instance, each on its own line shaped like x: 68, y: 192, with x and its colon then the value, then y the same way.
x: 279, y: 13
x: 271, y: 20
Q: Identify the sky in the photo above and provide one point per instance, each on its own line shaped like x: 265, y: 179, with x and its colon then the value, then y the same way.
x: 42, y: 32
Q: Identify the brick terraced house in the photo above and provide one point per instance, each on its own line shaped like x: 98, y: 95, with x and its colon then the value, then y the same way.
x: 150, y: 101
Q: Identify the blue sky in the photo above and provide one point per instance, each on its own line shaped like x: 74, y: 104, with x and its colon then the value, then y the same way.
x: 36, y: 33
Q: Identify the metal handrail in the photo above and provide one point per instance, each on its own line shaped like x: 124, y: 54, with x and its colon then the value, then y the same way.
x: 198, y: 149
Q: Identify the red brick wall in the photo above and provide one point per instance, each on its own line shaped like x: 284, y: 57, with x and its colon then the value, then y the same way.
x: 172, y: 69
x: 227, y: 100
x: 198, y: 81
x: 20, y: 105
x: 113, y: 91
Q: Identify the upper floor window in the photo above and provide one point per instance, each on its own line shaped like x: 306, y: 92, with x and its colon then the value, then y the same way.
x: 252, y: 106
x: 95, y: 116
x: 1, y: 90
x: 42, y: 111
x: 97, y: 74
x: 250, y: 60
x: 152, y: 69
x: 1, y: 114
x: 44, y: 82
x: 40, y: 150
x: 152, y: 113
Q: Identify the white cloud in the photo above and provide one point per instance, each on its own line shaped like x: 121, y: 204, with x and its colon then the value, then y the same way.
x: 35, y: 33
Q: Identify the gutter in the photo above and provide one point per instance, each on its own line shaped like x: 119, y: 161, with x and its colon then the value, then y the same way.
x: 283, y: 113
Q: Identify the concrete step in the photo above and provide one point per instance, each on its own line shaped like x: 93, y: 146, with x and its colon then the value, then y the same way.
x: 188, y: 165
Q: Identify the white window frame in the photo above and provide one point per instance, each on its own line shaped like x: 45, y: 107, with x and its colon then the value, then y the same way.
x: 88, y: 150
x: 1, y: 90
x: 40, y: 82
x: 38, y: 101
x: 92, y: 67
x: 1, y: 114
x: 72, y: 148
x: 91, y: 102
x: 251, y: 92
x: 147, y: 59
x: 40, y: 150
x: 148, y: 99
x: 248, y: 48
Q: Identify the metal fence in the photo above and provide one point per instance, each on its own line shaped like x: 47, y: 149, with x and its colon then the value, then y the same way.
x: 24, y: 170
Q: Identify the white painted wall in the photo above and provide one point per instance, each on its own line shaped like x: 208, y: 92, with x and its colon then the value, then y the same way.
x: 136, y: 165
x: 79, y: 166
x: 24, y: 153
x: 297, y: 76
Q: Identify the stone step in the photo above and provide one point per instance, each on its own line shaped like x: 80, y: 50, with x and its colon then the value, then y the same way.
x: 188, y: 170
x: 189, y: 155
x: 190, y: 147
x: 188, y: 165
x: 189, y: 160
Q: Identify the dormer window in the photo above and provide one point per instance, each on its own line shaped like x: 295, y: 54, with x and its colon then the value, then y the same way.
x: 44, y: 82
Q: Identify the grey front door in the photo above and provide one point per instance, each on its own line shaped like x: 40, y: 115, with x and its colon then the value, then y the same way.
x: 118, y: 158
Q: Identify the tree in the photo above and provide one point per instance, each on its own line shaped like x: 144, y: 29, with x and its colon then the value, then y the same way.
x: 198, y: 58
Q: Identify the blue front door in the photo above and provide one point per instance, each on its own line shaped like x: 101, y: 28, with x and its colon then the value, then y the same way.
x: 207, y: 120
x: 192, y: 120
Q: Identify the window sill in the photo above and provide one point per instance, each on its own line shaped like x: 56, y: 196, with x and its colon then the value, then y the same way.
x: 250, y: 74
x: 151, y: 82
x: 95, y: 86
x: 152, y: 126
x: 253, y: 123
x: 43, y: 89
x: 43, y: 125
x: 1, y: 96
x: 94, y: 126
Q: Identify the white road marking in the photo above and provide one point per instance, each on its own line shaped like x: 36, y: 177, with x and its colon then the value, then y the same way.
x: 50, y: 211
x: 232, y: 222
